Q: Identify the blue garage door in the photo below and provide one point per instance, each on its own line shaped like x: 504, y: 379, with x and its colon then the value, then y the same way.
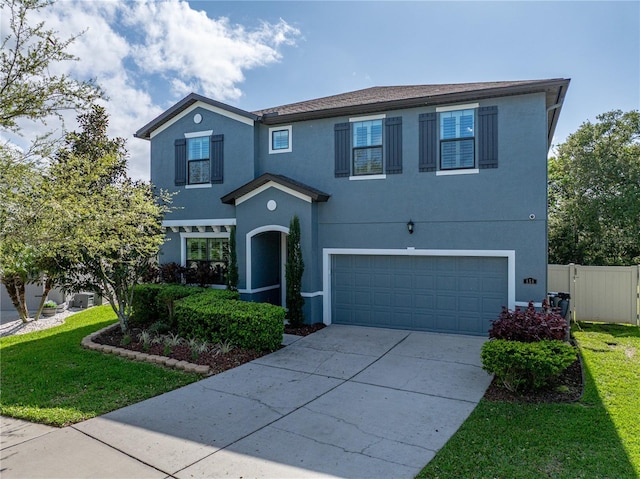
x: 427, y: 293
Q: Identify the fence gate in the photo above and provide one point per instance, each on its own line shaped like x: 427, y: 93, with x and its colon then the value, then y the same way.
x: 599, y: 293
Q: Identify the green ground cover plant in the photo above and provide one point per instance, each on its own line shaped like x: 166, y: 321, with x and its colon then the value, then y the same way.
x: 47, y: 377
x: 595, y: 437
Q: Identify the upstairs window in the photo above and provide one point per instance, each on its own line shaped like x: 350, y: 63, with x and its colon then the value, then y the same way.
x: 367, y: 147
x: 457, y: 139
x: 198, y: 160
x: 280, y: 139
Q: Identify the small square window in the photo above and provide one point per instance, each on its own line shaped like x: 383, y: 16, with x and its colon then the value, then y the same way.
x: 280, y: 140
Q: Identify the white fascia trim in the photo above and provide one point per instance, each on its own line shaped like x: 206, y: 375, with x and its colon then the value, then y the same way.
x: 471, y: 171
x: 272, y: 184
x: 248, y: 237
x: 465, y: 106
x: 367, y: 118
x: 203, y: 222
x: 368, y: 177
x: 328, y: 252
x: 285, y: 150
x: 205, y: 106
x: 199, y: 185
x: 198, y: 134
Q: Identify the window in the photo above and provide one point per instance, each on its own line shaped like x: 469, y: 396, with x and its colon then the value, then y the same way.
x: 207, y: 260
x: 457, y: 139
x: 198, y: 160
x: 280, y: 139
x: 367, y: 147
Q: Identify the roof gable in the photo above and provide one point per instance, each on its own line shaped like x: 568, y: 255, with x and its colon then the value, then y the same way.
x: 269, y: 180
x: 186, y: 106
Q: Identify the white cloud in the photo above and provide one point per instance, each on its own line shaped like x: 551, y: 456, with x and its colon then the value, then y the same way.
x: 135, y: 50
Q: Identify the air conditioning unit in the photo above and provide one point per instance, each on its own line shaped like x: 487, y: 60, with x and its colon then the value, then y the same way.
x: 83, y: 300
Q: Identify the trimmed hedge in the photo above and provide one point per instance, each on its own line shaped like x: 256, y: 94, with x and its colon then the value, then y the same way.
x: 144, y: 305
x: 210, y: 316
x: 519, y: 365
x: 153, y: 302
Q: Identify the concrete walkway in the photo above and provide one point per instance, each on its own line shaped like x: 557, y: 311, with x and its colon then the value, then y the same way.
x: 349, y: 402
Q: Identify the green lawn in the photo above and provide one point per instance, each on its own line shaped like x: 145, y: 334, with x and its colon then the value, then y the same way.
x: 47, y: 377
x: 596, y: 437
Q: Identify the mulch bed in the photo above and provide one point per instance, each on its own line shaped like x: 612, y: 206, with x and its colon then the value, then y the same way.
x: 218, y: 362
x: 568, y: 387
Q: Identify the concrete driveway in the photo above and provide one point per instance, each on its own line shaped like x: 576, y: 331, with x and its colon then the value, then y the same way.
x: 344, y: 402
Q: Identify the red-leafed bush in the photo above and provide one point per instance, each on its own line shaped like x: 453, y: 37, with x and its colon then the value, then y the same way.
x: 529, y: 325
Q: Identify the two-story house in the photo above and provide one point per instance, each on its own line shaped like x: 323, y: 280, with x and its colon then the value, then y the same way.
x: 421, y: 207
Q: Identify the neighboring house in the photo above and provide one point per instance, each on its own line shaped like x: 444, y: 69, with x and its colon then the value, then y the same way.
x: 421, y: 207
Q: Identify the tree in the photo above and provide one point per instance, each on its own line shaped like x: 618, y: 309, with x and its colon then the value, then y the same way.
x: 28, y: 89
x: 594, y: 193
x: 109, y: 227
x: 294, y: 269
x: 232, y: 270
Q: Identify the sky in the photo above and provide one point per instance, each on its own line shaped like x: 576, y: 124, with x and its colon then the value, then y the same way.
x: 147, y: 55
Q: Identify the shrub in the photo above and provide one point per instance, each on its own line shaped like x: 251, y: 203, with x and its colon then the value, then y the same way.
x: 144, y: 305
x: 529, y: 325
x: 168, y: 294
x: 519, y: 365
x: 215, y: 316
x: 171, y: 273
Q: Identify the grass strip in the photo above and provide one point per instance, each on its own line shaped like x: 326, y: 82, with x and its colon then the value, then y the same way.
x: 596, y: 437
x: 47, y: 377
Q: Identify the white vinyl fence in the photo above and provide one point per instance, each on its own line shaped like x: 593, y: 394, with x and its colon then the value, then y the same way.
x: 599, y: 293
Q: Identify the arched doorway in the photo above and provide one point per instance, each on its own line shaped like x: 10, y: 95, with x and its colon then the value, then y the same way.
x: 266, y: 259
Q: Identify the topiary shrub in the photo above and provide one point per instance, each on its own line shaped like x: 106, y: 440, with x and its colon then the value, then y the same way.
x: 529, y: 325
x: 518, y: 365
x: 215, y: 317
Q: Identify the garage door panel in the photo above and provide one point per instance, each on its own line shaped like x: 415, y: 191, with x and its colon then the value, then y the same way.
x: 447, y: 294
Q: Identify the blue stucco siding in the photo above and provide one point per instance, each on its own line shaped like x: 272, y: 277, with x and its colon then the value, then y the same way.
x: 503, y: 208
x: 199, y: 203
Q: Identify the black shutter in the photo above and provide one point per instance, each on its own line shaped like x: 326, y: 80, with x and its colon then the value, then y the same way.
x: 342, y: 149
x: 181, y: 162
x: 488, y: 137
x: 393, y: 144
x: 428, y: 141
x: 216, y: 162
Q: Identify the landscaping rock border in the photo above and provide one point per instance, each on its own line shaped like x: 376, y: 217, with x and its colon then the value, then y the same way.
x: 88, y: 343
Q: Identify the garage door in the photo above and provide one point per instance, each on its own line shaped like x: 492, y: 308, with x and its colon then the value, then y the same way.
x: 427, y: 293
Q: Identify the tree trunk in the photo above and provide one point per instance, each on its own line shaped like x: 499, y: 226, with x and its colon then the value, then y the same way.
x: 15, y: 287
x: 48, y: 284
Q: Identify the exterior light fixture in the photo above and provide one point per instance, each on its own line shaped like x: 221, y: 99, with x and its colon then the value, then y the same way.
x: 410, y: 227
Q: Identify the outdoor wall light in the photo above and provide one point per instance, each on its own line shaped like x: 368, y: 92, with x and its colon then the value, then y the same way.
x: 410, y: 227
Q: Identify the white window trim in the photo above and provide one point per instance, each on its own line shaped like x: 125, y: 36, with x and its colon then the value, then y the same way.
x: 183, y: 242
x: 466, y: 106
x: 198, y: 134
x: 198, y: 185
x: 367, y: 118
x: 368, y: 177
x: 327, y: 253
x: 280, y: 128
x: 468, y: 171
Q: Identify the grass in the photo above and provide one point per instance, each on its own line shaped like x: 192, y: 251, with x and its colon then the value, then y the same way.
x: 47, y: 377
x: 596, y: 437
